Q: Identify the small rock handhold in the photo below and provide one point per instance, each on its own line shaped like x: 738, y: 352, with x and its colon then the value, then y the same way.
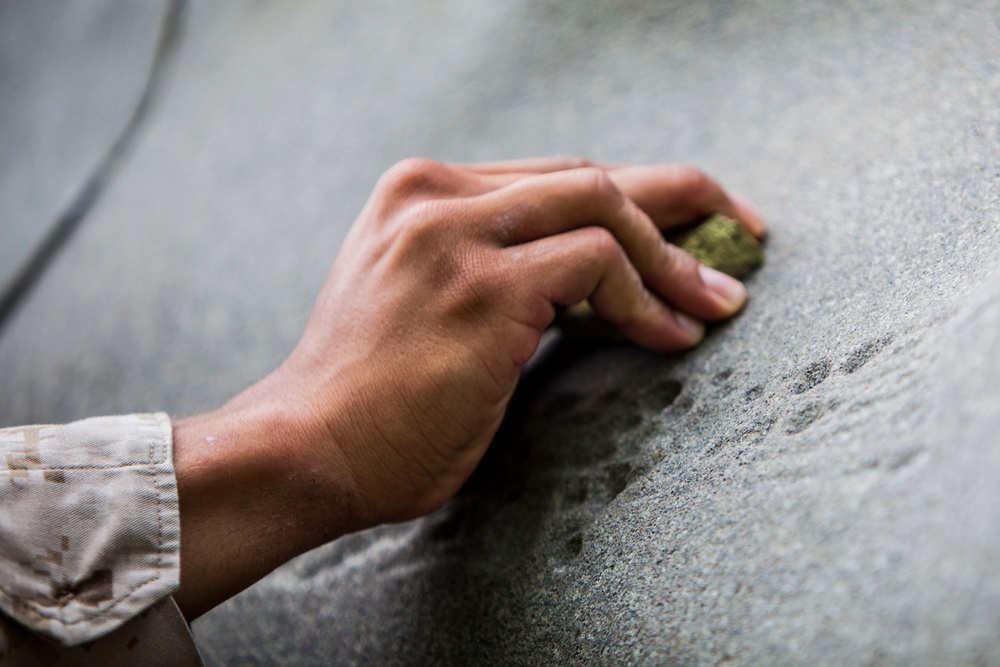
x: 722, y: 244
x: 719, y: 242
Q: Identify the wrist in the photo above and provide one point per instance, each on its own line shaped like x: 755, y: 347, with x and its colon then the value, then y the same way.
x: 251, y: 497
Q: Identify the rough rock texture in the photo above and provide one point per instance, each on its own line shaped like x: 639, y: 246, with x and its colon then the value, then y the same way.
x: 817, y: 484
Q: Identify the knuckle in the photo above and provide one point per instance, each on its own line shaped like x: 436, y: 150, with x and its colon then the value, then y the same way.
x: 597, y: 182
x: 691, y: 179
x: 637, y: 306
x: 605, y: 244
x: 577, y: 162
x: 426, y: 238
x: 415, y: 175
x: 430, y: 256
x: 627, y: 319
x: 423, y: 223
x: 679, y: 263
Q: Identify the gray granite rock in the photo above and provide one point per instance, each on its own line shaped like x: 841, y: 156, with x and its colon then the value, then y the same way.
x: 816, y: 484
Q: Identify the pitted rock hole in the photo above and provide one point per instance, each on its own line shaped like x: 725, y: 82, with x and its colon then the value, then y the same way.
x: 627, y: 407
x: 656, y: 397
x: 722, y: 376
x: 861, y: 356
x: 811, y: 376
x: 617, y: 476
x: 574, y: 545
x: 805, y: 417
x: 903, y: 459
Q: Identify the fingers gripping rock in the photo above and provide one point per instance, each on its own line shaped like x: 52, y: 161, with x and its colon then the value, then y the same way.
x: 719, y: 243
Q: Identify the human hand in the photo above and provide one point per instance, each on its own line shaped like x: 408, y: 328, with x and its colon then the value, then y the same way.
x: 447, y: 281
x: 438, y: 297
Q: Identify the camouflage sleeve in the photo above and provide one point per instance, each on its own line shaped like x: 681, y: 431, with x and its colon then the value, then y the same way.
x: 157, y: 637
x: 89, y: 524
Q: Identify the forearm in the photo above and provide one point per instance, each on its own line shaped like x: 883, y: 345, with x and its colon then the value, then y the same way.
x: 249, y: 499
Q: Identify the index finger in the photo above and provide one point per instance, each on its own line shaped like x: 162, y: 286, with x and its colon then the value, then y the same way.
x: 677, y: 194
x: 671, y: 194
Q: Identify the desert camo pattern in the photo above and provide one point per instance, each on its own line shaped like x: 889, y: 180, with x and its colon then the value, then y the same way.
x: 89, y: 527
x: 157, y: 637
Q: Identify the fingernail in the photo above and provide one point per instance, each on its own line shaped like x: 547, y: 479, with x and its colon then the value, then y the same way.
x: 691, y: 325
x: 731, y: 290
x: 750, y: 214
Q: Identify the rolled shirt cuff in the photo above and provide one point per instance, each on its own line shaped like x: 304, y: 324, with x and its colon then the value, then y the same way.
x: 90, y: 524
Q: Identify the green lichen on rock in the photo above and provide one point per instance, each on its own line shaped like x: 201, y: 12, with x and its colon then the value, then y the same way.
x: 719, y: 242
x: 722, y: 244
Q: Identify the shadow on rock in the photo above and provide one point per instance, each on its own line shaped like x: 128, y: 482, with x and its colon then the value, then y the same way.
x: 507, y: 547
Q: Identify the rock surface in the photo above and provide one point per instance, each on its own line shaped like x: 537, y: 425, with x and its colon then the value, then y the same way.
x: 819, y: 483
